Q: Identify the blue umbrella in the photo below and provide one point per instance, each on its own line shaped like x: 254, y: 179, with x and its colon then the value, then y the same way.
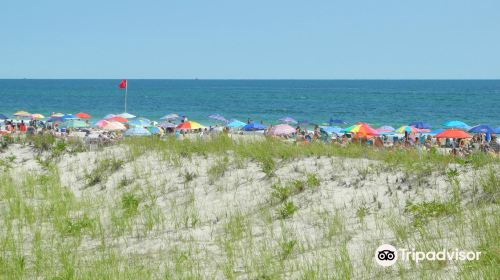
x: 170, y: 117
x: 331, y: 129
x: 496, y: 130
x: 481, y: 128
x: 420, y: 125
x: 137, y: 131
x: 139, y: 122
x: 154, y: 130
x: 456, y: 124
x: 3, y: 117
x: 236, y: 123
x: 337, y: 121
x: 254, y: 126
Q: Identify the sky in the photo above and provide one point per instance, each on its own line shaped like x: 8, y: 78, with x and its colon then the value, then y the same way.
x: 250, y: 39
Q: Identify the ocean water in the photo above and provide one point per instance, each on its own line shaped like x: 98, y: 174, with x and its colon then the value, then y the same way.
x: 378, y: 102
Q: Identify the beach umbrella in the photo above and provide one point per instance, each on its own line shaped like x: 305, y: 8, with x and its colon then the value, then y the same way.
x: 137, y: 131
x: 456, y: 124
x: 57, y: 115
x: 114, y: 126
x: 126, y: 115
x: 83, y: 115
x: 254, y: 126
x: 3, y: 117
x: 281, y: 129
x: 482, y: 128
x: 170, y: 117
x: 69, y: 117
x: 154, y: 130
x: 331, y: 129
x: 385, y: 128
x: 217, y: 117
x: 288, y: 120
x: 118, y: 119
x: 74, y: 124
x: 453, y: 133
x: 109, y: 116
x: 190, y: 125
x: 405, y: 128
x: 361, y: 129
x: 168, y: 125
x: 37, y: 116
x: 22, y: 114
x: 140, y: 122
x: 337, y: 121
x: 101, y: 123
x: 420, y: 125
x: 235, y: 124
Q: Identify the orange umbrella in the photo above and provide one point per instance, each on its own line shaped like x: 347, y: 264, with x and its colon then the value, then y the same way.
x: 361, y: 129
x: 118, y: 119
x: 83, y: 115
x: 453, y: 133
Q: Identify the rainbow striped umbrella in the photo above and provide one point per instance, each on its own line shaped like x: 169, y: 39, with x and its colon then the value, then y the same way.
x: 361, y: 129
x: 190, y: 125
x: 37, y: 116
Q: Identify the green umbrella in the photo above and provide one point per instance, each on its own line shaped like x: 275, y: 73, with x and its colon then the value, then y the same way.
x: 74, y: 124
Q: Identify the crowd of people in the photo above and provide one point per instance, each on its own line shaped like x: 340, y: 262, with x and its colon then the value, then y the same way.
x: 488, y: 143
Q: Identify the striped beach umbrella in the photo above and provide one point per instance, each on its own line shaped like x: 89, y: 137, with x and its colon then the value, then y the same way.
x: 361, y: 129
x: 167, y: 125
x: 22, y: 114
x: 37, y: 116
x: 190, y: 125
x: 385, y: 128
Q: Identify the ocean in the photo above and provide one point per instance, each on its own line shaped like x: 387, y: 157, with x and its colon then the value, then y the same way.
x: 378, y: 102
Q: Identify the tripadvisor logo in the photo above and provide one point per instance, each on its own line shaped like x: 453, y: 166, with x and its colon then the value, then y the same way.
x: 387, y: 255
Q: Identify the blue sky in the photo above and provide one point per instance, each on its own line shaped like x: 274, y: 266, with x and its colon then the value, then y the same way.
x: 250, y: 39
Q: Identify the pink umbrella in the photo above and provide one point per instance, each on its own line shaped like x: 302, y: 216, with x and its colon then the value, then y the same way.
x: 113, y: 126
x: 281, y: 129
x: 101, y: 123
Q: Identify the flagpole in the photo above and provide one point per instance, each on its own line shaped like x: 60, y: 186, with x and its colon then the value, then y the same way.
x: 126, y: 91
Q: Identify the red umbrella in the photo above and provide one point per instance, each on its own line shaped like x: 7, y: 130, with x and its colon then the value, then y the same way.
x: 453, y: 133
x: 118, y: 119
x: 83, y: 115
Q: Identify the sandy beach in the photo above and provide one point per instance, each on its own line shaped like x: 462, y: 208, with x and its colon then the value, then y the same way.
x: 130, y: 210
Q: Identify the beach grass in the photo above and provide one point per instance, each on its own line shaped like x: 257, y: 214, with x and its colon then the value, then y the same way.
x: 145, y: 210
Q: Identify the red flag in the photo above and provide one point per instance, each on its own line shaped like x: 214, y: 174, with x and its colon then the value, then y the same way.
x: 123, y: 84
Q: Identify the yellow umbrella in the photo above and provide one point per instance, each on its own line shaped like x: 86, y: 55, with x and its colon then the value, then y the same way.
x: 22, y: 114
x: 37, y: 116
